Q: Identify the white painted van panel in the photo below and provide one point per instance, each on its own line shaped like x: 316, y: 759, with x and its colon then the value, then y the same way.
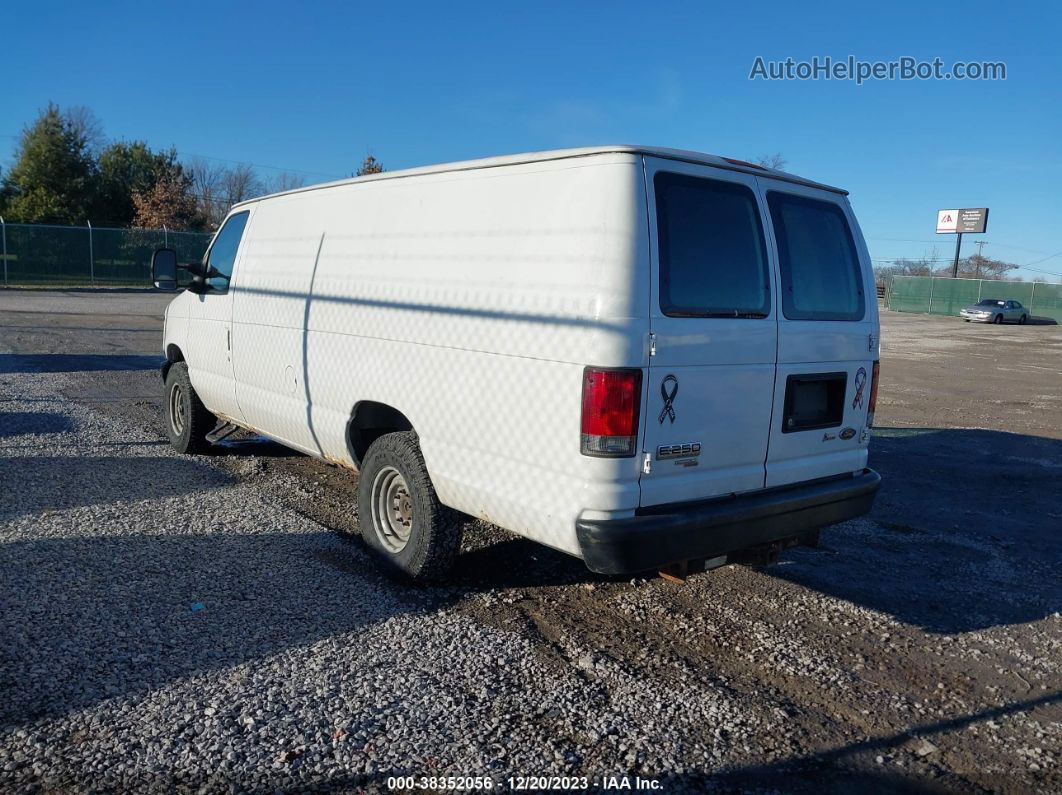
x: 724, y: 369
x: 470, y: 302
x: 822, y: 346
x: 470, y: 298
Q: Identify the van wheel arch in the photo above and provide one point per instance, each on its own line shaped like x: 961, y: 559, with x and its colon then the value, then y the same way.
x: 173, y: 355
x: 369, y: 420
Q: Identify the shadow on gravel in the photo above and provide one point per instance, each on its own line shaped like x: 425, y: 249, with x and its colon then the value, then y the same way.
x: 32, y: 484
x: 965, y: 532
x: 248, y: 444
x: 822, y: 768
x: 17, y: 423
x: 88, y: 618
x: 517, y: 563
x: 75, y: 362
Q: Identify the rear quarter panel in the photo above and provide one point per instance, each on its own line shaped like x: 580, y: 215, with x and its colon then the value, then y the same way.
x: 471, y: 301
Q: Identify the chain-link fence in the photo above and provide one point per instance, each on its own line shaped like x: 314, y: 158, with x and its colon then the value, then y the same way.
x: 78, y: 256
x: 944, y: 296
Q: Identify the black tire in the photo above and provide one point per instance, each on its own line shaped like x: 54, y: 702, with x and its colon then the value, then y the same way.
x: 998, y: 320
x: 1022, y: 320
x: 188, y: 428
x: 966, y: 319
x: 390, y: 506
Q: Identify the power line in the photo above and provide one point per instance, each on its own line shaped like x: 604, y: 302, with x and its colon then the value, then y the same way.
x: 259, y: 165
x: 1037, y: 262
x: 938, y: 242
x: 1038, y: 270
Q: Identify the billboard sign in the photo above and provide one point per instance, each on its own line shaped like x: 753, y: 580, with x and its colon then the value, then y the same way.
x: 971, y: 220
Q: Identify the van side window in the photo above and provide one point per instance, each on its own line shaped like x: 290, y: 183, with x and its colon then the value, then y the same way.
x: 821, y: 277
x: 222, y: 255
x: 713, y: 258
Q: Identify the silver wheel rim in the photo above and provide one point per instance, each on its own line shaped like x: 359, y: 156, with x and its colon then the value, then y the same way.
x: 177, y: 409
x: 392, y: 509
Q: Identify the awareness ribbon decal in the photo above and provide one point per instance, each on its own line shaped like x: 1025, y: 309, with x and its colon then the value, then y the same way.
x: 669, y: 397
x: 860, y: 382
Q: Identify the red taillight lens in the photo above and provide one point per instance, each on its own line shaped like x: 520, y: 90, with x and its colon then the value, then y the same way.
x: 873, y: 395
x: 611, y: 400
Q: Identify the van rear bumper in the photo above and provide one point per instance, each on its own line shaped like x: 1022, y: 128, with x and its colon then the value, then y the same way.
x: 657, y: 536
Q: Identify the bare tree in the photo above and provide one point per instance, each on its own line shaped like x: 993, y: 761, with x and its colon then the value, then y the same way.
x: 216, y: 188
x: 87, y: 126
x: 904, y: 267
x: 207, y: 177
x: 240, y: 183
x: 370, y: 165
x: 284, y: 181
x: 978, y: 267
x: 775, y: 161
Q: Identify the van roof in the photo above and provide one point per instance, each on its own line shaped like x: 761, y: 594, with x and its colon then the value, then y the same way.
x: 563, y: 154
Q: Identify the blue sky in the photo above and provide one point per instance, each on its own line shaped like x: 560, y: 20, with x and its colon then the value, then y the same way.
x: 311, y: 87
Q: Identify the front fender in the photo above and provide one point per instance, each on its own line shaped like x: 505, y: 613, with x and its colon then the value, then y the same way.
x: 174, y: 331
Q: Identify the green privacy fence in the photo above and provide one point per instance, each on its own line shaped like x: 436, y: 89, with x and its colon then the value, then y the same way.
x: 944, y: 296
x: 39, y: 254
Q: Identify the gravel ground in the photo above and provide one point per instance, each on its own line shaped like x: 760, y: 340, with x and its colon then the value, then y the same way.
x: 181, y: 623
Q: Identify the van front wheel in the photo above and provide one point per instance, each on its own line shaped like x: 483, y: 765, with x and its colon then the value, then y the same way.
x: 188, y: 421
x: 401, y: 517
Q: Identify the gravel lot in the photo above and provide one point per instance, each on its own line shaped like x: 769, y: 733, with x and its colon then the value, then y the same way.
x: 181, y: 623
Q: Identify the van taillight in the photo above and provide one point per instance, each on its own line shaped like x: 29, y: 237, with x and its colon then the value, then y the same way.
x: 611, y: 400
x: 873, y: 394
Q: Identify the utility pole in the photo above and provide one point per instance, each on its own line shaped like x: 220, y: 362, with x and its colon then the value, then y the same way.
x: 980, y: 245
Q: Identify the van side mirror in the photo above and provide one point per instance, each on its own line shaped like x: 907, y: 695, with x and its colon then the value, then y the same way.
x: 198, y: 272
x: 164, y: 269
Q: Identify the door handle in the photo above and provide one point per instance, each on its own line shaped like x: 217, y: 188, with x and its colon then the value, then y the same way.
x: 228, y: 339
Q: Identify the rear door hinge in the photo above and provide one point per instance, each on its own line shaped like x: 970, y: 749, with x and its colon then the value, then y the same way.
x: 647, y: 463
x: 652, y: 344
x: 870, y: 342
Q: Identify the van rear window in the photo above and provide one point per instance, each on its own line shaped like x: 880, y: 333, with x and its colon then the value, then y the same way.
x: 821, y: 278
x: 713, y: 259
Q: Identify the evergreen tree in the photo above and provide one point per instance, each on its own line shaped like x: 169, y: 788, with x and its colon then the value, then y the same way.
x: 370, y: 165
x: 53, y: 179
x: 127, y: 169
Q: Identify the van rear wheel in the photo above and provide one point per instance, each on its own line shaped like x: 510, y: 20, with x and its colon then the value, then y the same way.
x: 402, y: 520
x: 188, y: 421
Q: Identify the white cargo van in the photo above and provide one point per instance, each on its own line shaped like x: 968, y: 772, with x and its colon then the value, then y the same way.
x: 642, y: 357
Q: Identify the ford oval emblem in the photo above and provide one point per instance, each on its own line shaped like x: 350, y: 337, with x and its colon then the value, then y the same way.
x: 848, y: 433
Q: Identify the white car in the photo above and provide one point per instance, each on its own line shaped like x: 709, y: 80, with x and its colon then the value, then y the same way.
x: 644, y: 357
x: 995, y: 310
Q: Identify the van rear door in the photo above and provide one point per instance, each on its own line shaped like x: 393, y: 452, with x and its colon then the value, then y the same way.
x: 709, y: 393
x: 827, y: 335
